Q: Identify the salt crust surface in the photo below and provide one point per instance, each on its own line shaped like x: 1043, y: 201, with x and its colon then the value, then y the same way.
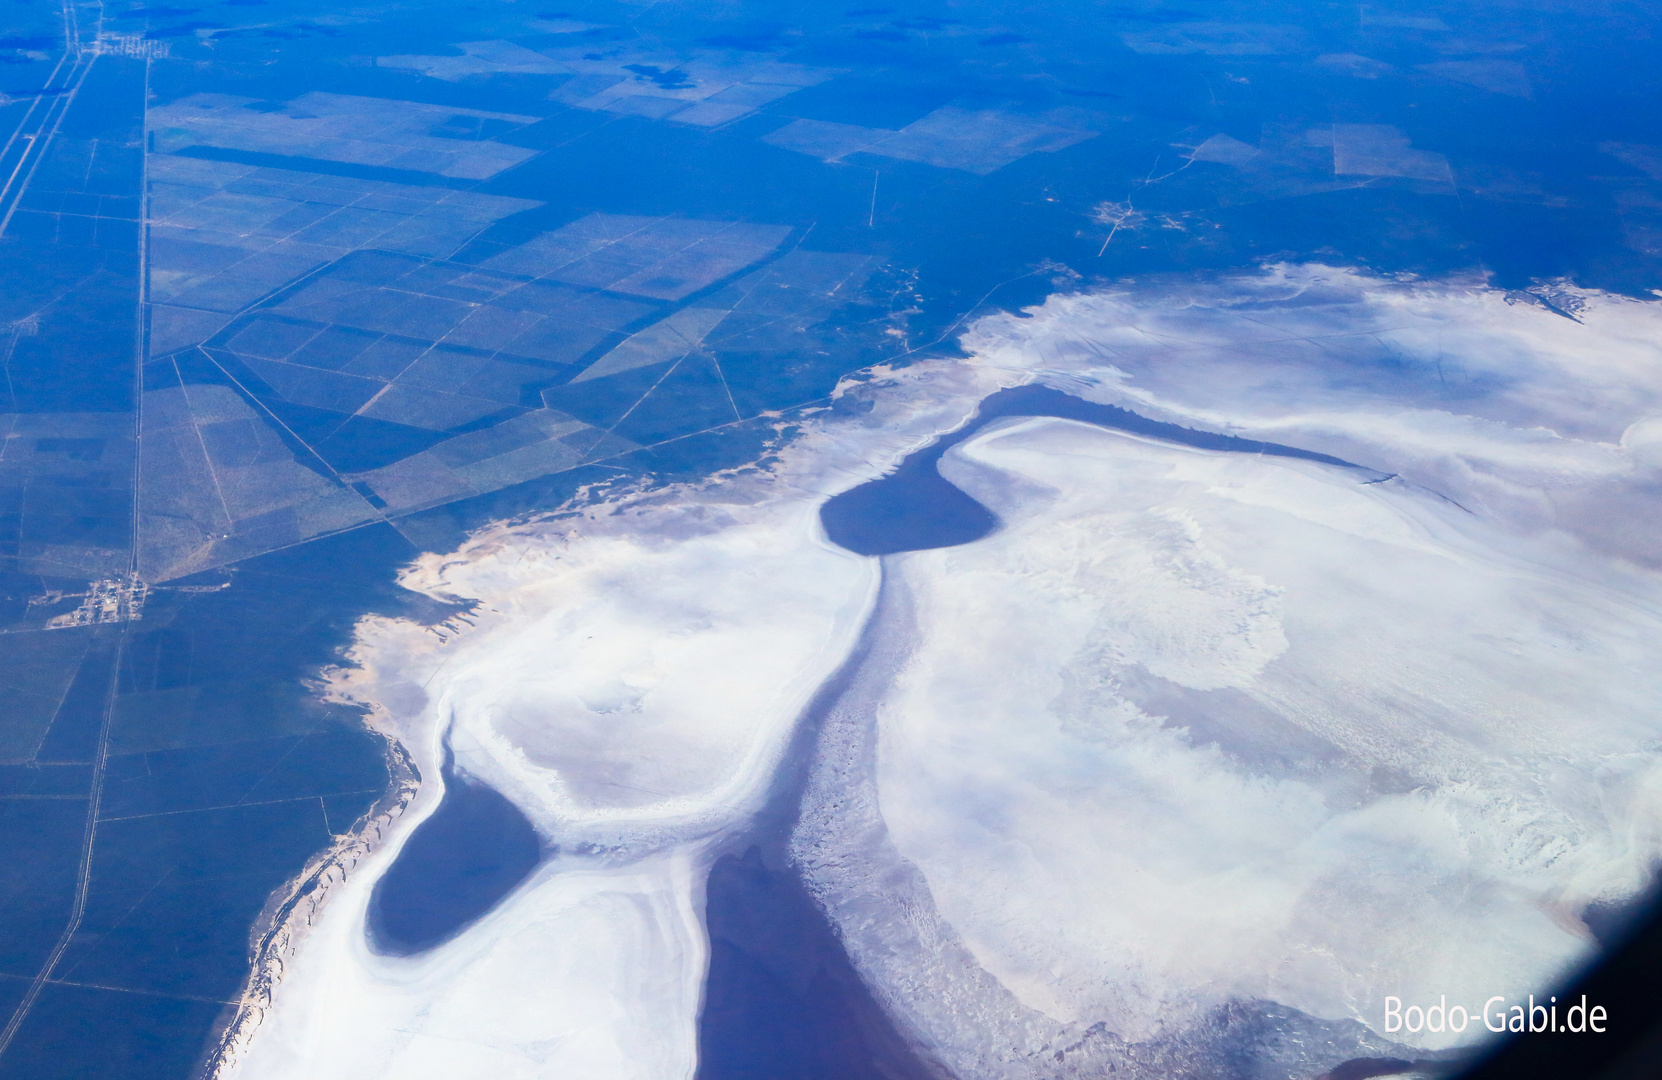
x: 724, y: 599
x: 1257, y: 729
x: 624, y: 688
x: 1261, y: 730
x: 630, y: 683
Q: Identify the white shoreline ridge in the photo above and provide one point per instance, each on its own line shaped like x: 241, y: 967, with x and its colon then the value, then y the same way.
x: 636, y: 671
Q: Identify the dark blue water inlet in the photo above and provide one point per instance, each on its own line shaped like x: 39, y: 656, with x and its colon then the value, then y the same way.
x: 914, y: 508
x: 456, y: 866
x: 782, y: 1001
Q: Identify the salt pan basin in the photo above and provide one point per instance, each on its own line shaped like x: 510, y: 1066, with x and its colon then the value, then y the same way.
x: 1196, y: 726
x: 633, y: 680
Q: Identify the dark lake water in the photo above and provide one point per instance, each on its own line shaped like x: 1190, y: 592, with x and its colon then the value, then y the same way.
x: 456, y: 866
x: 782, y: 1001
x: 914, y: 508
